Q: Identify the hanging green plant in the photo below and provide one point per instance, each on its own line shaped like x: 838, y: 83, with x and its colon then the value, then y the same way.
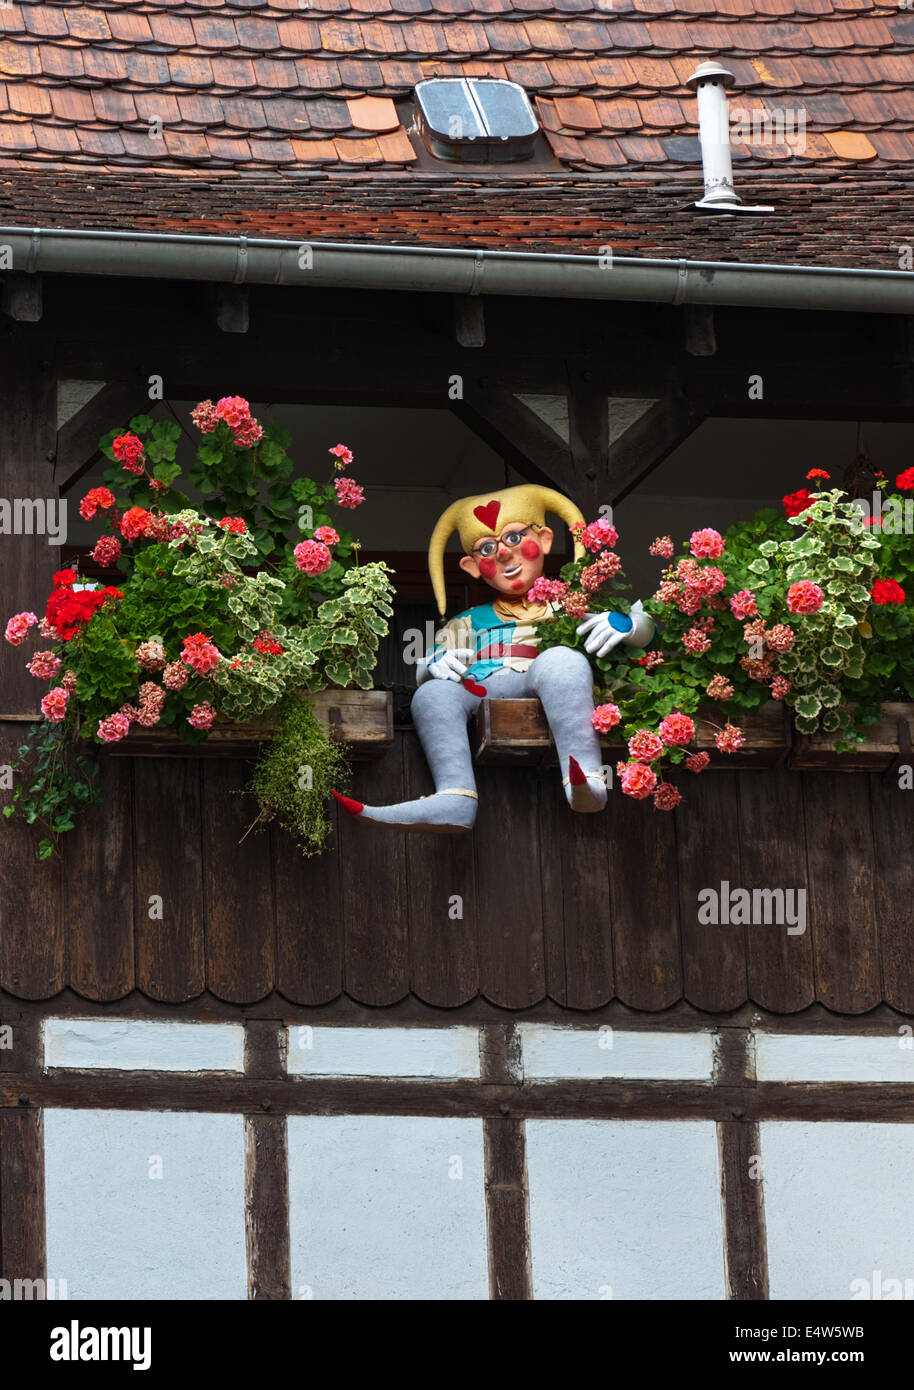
x: 293, y: 778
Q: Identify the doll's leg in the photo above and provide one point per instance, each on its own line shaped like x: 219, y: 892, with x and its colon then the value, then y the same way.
x: 440, y: 710
x: 563, y: 680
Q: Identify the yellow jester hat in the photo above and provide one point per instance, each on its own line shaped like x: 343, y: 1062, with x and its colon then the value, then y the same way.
x: 473, y: 518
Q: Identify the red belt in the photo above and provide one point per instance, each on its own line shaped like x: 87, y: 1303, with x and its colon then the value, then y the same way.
x: 491, y: 653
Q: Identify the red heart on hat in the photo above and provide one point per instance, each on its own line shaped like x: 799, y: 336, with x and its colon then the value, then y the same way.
x: 488, y: 514
x: 473, y: 688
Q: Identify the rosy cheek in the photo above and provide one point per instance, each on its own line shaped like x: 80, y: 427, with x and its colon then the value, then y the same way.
x: 530, y: 550
x: 487, y: 569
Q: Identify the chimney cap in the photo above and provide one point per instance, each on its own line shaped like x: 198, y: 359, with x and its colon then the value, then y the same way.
x: 711, y: 69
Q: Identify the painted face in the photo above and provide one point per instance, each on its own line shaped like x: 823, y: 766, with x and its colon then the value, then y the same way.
x: 512, y: 561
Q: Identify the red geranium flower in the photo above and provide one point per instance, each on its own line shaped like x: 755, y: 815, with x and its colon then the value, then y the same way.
x: 905, y: 480
x: 818, y: 473
x: 887, y: 591
x: 64, y: 579
x: 797, y: 502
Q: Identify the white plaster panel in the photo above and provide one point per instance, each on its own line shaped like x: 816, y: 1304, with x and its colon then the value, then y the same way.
x: 142, y: 1044
x: 378, y: 1210
x: 823, y: 1057
x: 116, y: 1231
x: 552, y: 1052
x: 440, y: 1052
x: 838, y: 1208
x: 625, y: 1209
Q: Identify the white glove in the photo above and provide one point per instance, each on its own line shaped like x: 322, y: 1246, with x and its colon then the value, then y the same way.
x: 446, y: 666
x: 604, y: 637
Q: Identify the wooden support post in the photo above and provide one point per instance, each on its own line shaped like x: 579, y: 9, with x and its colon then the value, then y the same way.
x: 21, y: 299
x: 31, y: 517
x: 507, y: 1204
x: 588, y: 425
x: 469, y: 320
x: 266, y: 1173
x: 22, y: 1207
x: 700, y: 337
x: 745, y: 1247
x: 232, y: 308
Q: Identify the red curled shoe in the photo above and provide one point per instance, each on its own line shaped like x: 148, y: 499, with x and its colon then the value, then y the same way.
x: 352, y: 808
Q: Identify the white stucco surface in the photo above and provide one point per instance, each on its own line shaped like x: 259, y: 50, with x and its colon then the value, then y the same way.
x: 142, y: 1044
x: 551, y: 1053
x: 442, y: 1052
x: 837, y: 1207
x: 822, y: 1057
x: 625, y: 1209
x: 116, y: 1231
x: 378, y: 1210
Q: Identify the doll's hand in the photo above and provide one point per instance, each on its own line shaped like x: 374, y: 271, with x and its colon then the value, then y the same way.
x: 446, y: 666
x: 606, y: 630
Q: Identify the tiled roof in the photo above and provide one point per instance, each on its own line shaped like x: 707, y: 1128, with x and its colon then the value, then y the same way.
x: 283, y: 87
x: 859, y: 218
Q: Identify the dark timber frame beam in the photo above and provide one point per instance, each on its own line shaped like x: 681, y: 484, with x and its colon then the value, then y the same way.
x: 520, y: 436
x: 647, y: 442
x: 77, y: 440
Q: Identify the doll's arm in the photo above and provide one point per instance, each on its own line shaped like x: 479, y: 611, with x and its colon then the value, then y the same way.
x: 606, y: 631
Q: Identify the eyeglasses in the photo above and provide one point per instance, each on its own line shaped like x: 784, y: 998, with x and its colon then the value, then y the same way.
x: 510, y: 538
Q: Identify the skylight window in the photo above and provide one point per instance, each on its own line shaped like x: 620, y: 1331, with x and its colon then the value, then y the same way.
x: 479, y: 120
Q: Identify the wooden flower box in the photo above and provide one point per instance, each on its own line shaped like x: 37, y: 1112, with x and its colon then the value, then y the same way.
x: 515, y: 732
x: 363, y: 719
x: 887, y: 742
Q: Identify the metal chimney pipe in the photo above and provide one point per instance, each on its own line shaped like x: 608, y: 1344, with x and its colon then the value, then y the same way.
x: 711, y: 80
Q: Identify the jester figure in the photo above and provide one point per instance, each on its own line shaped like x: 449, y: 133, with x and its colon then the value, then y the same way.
x: 492, y: 650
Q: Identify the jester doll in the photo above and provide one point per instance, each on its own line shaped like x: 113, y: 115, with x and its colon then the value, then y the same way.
x: 492, y: 650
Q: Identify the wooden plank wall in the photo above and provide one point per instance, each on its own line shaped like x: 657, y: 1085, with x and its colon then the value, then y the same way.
x: 535, y: 904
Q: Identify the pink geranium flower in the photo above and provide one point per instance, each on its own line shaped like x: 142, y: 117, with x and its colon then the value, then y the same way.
x: 545, y: 590
x: 202, y: 715
x: 645, y: 746
x: 327, y: 535
x: 707, y: 544
x: 730, y: 739
x: 43, y: 665
x: 661, y: 546
x: 599, y: 535
x: 743, y: 605
x: 341, y: 452
x: 676, y: 729
x: 200, y: 654
x: 605, y: 717
x: 312, y: 557
x: 348, y: 493
x: 804, y: 597
x: 114, y: 728
x: 697, y: 762
x: 54, y: 704
x: 18, y: 626
x: 637, y: 779
x: 234, y: 410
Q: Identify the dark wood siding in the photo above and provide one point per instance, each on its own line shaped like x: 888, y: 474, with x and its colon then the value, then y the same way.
x: 536, y: 904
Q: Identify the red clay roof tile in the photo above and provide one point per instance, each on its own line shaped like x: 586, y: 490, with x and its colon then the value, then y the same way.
x: 571, y: 72
x: 578, y: 113
x: 603, y: 151
x: 275, y: 73
x: 45, y: 21
x: 620, y: 113
x: 146, y: 69
x: 186, y: 70
x: 160, y: 106
x: 272, y: 151
x: 314, y: 151
x: 105, y: 64
x: 172, y: 30
x: 215, y: 31
x: 113, y: 107
x: 28, y: 100
x: 230, y: 151
x: 87, y: 24
x: 72, y: 105
x: 366, y: 151
x: 19, y: 58
x: 317, y: 74
x: 397, y: 148
x: 185, y: 144
x: 234, y: 72
x: 373, y: 113
x: 261, y: 35
x: 57, y: 139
